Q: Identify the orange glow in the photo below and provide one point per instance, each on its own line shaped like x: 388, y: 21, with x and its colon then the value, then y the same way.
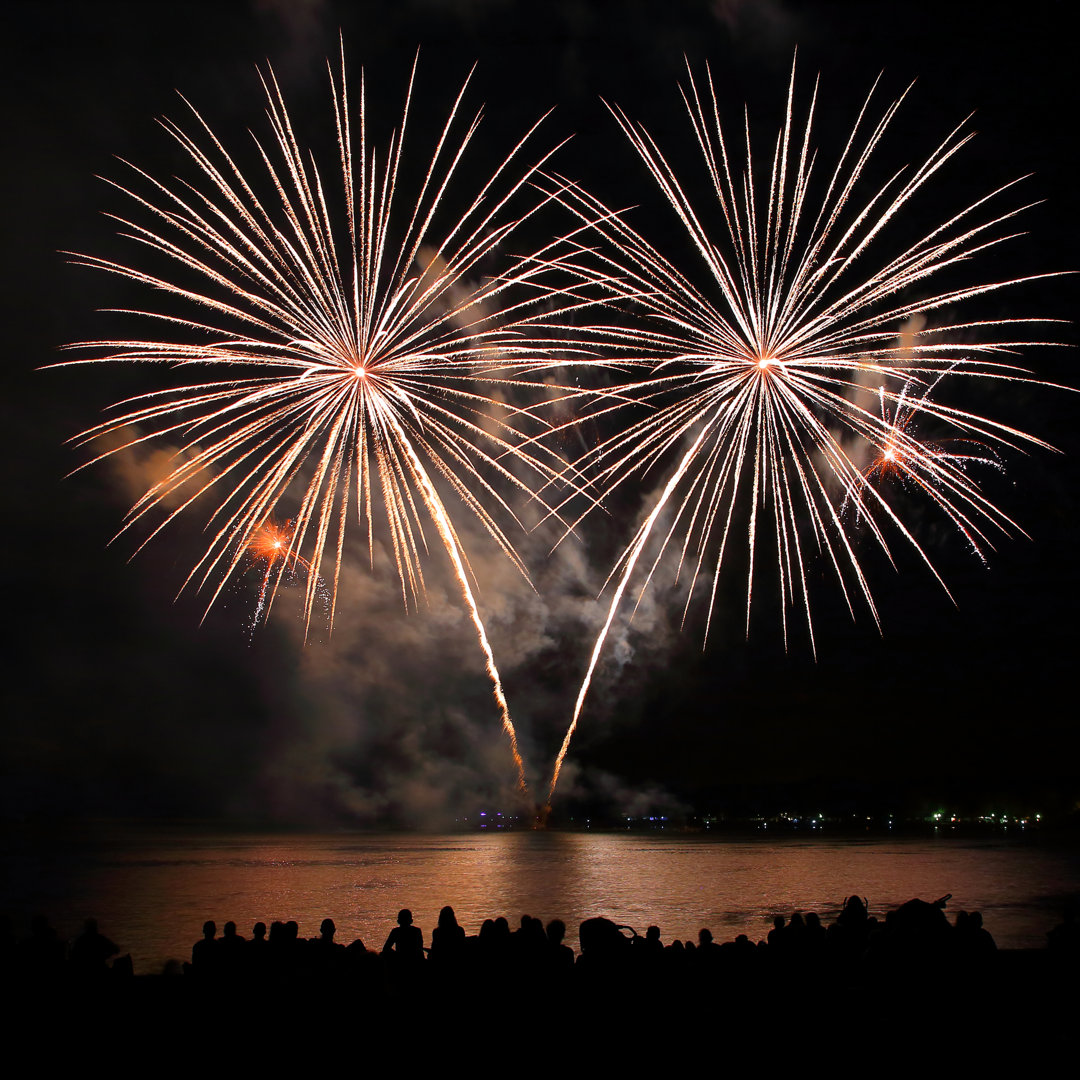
x: 272, y: 543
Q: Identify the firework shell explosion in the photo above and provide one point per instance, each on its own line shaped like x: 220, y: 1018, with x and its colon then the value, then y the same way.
x: 362, y: 377
x: 753, y: 387
x: 342, y: 379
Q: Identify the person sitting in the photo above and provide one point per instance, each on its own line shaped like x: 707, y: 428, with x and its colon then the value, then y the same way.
x: 447, y: 939
x: 405, y: 941
x: 90, y: 951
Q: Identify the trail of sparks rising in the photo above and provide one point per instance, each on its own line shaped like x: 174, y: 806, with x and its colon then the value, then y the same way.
x: 349, y: 372
x: 755, y: 380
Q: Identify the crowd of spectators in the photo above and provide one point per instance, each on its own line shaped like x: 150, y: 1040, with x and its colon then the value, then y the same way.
x: 915, y: 942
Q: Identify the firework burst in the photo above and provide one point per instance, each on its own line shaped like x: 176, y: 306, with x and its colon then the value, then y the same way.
x: 938, y: 469
x: 754, y: 397
x: 271, y: 547
x: 354, y: 364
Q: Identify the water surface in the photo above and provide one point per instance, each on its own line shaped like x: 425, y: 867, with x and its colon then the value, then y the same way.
x: 152, y: 889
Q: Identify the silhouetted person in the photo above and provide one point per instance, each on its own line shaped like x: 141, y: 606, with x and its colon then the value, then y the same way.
x: 528, y: 945
x: 91, y: 951
x: 849, y: 936
x: 707, y: 948
x: 257, y: 953
x: 405, y: 941
x: 776, y: 934
x: 447, y: 939
x: 972, y: 939
x: 560, y: 957
x: 231, y: 951
x: 290, y: 959
x: 648, y: 953
x: 204, y: 955
x: 490, y: 951
x: 854, y: 915
x: 326, y: 956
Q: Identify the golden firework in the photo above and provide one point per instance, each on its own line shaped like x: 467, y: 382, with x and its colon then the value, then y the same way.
x: 351, y: 364
x: 751, y: 404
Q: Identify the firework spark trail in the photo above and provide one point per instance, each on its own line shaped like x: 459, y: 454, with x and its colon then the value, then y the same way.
x: 348, y: 370
x: 453, y: 549
x: 631, y: 556
x: 750, y: 371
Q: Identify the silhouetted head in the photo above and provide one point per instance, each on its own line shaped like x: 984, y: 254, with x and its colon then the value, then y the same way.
x: 230, y: 929
x: 258, y: 931
x: 556, y: 931
x: 209, y: 929
x: 404, y: 917
x: 653, y: 933
x: 327, y: 928
x: 447, y: 919
x: 855, y: 907
x: 704, y: 936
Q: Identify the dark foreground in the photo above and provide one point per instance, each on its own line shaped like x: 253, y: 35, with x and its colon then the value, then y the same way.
x: 912, y: 982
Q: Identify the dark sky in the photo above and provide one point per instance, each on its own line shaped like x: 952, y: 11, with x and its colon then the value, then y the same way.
x: 118, y: 701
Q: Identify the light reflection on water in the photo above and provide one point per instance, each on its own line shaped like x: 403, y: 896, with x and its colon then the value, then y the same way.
x: 152, y: 891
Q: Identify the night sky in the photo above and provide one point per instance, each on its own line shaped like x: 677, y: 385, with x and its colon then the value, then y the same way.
x: 120, y: 701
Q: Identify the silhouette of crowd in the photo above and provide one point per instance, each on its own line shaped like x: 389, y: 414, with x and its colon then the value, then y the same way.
x: 915, y: 944
x: 43, y: 956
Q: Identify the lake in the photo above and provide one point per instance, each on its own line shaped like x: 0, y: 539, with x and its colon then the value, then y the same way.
x: 151, y: 888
